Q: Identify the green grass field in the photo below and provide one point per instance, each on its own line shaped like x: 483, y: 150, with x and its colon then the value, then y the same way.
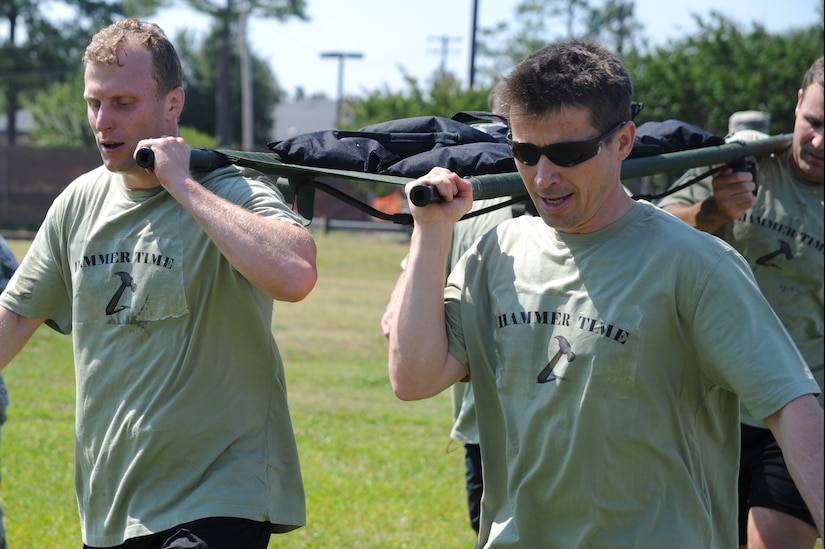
x: 379, y: 473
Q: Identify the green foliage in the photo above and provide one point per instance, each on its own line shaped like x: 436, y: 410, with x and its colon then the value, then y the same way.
x: 142, y: 8
x: 279, y: 9
x: 37, y: 51
x: 53, y: 50
x: 538, y: 22
x: 375, y: 469
x: 225, y: 38
x: 615, y: 23
x: 201, y: 78
x: 58, y: 115
x: 702, y: 78
x: 721, y: 69
x: 197, y: 139
x: 445, y: 97
x: 59, y: 118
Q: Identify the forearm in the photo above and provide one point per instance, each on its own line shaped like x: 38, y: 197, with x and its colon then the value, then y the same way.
x: 418, y: 335
x: 15, y: 331
x: 389, y: 311
x: 703, y: 215
x: 274, y: 255
x: 798, y: 428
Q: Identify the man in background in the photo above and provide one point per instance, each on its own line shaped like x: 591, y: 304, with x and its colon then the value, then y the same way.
x: 776, y: 223
x: 464, y: 429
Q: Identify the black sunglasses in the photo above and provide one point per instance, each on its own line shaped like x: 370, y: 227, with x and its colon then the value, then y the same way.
x: 565, y: 154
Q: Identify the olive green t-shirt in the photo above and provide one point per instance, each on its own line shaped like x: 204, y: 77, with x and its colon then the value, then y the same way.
x: 181, y: 399
x: 606, y: 369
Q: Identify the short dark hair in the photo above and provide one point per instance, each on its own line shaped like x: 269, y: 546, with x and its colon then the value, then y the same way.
x: 494, y: 102
x: 106, y: 44
x: 572, y: 73
x: 814, y: 75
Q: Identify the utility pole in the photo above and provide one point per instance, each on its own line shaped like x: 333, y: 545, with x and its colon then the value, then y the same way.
x: 247, y: 98
x: 473, y: 29
x: 341, y: 56
x: 445, y: 49
x: 223, y: 118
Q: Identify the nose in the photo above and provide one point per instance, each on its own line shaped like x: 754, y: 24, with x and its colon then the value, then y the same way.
x: 818, y: 140
x: 100, y: 119
x: 547, y: 173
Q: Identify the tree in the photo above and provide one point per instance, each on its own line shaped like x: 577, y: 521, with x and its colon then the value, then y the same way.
x: 226, y: 15
x: 444, y: 98
x: 705, y: 77
x: 51, y: 50
x: 202, y: 82
x: 23, y: 66
x: 58, y: 115
x: 614, y: 23
x: 504, y: 46
x: 59, y: 118
x: 538, y: 22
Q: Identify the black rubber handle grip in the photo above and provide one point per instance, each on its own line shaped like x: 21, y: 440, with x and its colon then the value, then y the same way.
x: 201, y: 160
x: 484, y: 186
x: 421, y: 195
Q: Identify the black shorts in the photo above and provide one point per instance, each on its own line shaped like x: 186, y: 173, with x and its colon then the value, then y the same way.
x: 764, y: 480
x: 475, y: 485
x: 207, y: 533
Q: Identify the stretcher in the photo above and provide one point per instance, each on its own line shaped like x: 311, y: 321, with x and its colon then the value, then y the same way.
x: 299, y: 183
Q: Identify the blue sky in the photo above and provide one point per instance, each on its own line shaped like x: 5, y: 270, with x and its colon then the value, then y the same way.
x: 408, y: 33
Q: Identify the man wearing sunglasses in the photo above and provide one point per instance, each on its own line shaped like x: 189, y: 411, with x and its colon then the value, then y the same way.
x: 607, y: 343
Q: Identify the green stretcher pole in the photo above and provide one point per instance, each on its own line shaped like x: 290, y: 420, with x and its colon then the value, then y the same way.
x: 484, y: 186
x: 705, y: 156
x: 510, y: 184
x: 489, y: 186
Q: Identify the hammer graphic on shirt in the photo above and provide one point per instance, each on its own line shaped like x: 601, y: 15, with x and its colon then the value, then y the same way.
x: 564, y: 349
x: 126, y: 281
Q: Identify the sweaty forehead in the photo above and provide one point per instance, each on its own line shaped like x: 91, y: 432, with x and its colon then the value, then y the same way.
x: 132, y: 74
x: 568, y: 124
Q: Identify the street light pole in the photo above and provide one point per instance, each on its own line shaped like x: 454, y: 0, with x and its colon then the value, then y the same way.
x: 473, y: 29
x: 341, y: 56
x: 247, y: 99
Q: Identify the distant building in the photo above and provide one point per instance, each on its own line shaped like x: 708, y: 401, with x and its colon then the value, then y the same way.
x: 302, y: 116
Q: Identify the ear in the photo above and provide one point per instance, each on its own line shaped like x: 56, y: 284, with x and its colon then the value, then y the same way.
x: 174, y: 103
x: 799, y: 95
x: 626, y: 138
